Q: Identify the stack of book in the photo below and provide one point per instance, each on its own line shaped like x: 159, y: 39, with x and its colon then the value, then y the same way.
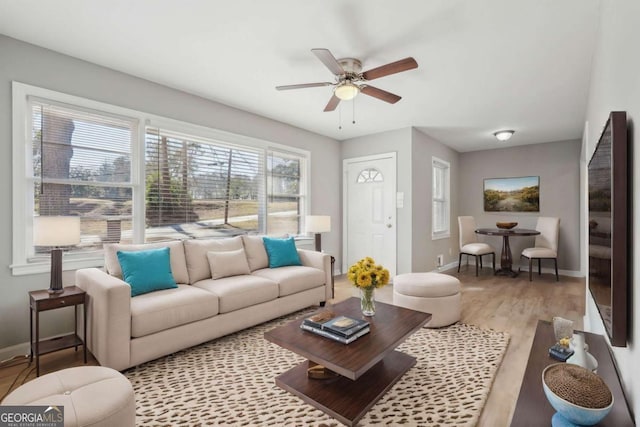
x: 336, y: 327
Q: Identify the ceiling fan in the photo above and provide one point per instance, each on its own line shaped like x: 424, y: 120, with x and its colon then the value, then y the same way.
x: 350, y: 80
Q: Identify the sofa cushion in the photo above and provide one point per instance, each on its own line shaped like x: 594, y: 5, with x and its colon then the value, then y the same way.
x: 281, y: 252
x: 196, y: 254
x: 178, y: 262
x: 161, y: 310
x: 228, y: 263
x: 293, y: 279
x: 539, y: 253
x: 238, y: 292
x: 256, y: 253
x: 146, y: 271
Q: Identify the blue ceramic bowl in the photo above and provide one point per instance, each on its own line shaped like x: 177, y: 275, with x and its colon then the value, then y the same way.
x: 574, y: 413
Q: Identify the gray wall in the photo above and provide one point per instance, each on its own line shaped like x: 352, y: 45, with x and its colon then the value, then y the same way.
x: 416, y: 251
x: 424, y: 249
x: 615, y: 85
x: 32, y: 65
x: 558, y: 166
x: 398, y: 141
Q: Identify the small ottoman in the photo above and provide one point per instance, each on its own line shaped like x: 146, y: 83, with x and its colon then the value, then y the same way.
x: 91, y: 396
x: 435, y: 293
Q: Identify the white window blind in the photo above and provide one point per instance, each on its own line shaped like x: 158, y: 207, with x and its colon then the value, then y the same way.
x: 199, y: 188
x: 285, y: 192
x: 131, y: 184
x: 440, y: 198
x: 81, y: 166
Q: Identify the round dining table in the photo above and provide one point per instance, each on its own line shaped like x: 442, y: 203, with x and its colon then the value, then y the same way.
x: 506, y: 260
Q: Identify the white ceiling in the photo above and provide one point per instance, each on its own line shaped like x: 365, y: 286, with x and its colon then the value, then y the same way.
x: 483, y: 65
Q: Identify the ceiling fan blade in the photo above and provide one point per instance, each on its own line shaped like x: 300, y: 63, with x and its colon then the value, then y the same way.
x: 380, y: 94
x: 329, y: 61
x: 333, y: 103
x: 303, y: 85
x: 391, y: 68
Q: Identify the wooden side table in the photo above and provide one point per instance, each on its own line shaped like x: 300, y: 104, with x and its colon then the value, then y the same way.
x: 533, y: 409
x: 42, y: 300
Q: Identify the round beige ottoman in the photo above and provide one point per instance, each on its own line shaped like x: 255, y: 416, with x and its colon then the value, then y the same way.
x: 91, y: 396
x: 435, y: 293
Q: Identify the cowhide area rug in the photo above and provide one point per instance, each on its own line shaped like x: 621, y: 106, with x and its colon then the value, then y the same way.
x: 230, y: 381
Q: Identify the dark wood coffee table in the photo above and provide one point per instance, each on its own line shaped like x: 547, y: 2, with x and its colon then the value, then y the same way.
x: 367, y: 367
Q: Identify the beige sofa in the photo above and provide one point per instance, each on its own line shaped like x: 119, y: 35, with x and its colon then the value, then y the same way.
x: 124, y: 331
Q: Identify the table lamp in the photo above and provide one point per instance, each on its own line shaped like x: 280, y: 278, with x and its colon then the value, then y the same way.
x: 317, y: 224
x: 56, y: 231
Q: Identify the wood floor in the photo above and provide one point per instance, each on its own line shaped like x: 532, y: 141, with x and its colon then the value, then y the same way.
x: 499, y: 303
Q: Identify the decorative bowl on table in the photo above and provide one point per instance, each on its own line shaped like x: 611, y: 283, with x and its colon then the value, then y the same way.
x: 581, y: 397
x: 506, y: 225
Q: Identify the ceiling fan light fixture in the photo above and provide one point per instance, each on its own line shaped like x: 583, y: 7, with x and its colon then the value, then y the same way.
x: 346, y: 91
x: 504, y: 135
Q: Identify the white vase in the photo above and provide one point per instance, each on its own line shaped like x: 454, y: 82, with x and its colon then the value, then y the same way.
x: 581, y: 356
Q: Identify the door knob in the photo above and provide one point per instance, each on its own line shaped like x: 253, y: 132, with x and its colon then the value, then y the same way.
x: 389, y: 226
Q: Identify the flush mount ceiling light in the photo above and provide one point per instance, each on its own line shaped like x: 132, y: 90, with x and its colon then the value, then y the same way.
x: 503, y: 135
x: 346, y: 91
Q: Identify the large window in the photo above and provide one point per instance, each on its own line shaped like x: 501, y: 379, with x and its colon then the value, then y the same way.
x: 130, y: 182
x: 440, y: 227
x: 81, y: 166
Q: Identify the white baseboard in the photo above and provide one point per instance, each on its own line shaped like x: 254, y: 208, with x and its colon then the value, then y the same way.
x: 23, y: 348
x: 15, y: 350
x: 525, y: 268
x: 446, y: 267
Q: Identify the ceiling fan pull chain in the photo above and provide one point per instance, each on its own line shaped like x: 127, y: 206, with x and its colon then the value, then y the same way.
x: 340, y: 117
x: 353, y: 113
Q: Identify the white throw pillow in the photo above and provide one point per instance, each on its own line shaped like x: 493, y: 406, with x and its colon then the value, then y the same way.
x: 196, y: 254
x: 256, y: 253
x: 228, y: 263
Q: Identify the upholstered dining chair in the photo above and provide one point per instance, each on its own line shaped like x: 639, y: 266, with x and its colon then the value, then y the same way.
x: 469, y: 244
x: 546, y: 244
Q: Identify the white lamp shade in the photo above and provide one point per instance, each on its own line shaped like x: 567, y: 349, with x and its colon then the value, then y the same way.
x: 317, y: 223
x: 346, y: 91
x: 56, y: 230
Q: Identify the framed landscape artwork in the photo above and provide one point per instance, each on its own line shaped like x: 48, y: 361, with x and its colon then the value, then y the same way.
x: 519, y: 194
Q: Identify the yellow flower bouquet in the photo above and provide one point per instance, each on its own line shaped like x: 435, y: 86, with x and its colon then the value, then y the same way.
x: 367, y: 276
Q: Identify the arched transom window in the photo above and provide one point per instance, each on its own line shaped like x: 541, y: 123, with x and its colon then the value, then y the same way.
x: 369, y: 175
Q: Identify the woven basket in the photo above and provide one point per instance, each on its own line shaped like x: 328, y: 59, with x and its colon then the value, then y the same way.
x: 578, y: 385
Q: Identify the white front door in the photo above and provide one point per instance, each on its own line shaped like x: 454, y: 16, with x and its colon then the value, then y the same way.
x: 370, y: 210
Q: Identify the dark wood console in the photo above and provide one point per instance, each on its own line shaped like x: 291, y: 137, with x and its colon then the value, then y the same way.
x: 533, y: 409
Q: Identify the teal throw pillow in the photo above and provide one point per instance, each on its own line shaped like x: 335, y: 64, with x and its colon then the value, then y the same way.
x: 146, y: 271
x: 281, y: 252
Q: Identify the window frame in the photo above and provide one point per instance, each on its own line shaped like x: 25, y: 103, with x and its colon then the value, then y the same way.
x: 437, y: 163
x: 304, y: 185
x: 31, y: 101
x: 22, y: 208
